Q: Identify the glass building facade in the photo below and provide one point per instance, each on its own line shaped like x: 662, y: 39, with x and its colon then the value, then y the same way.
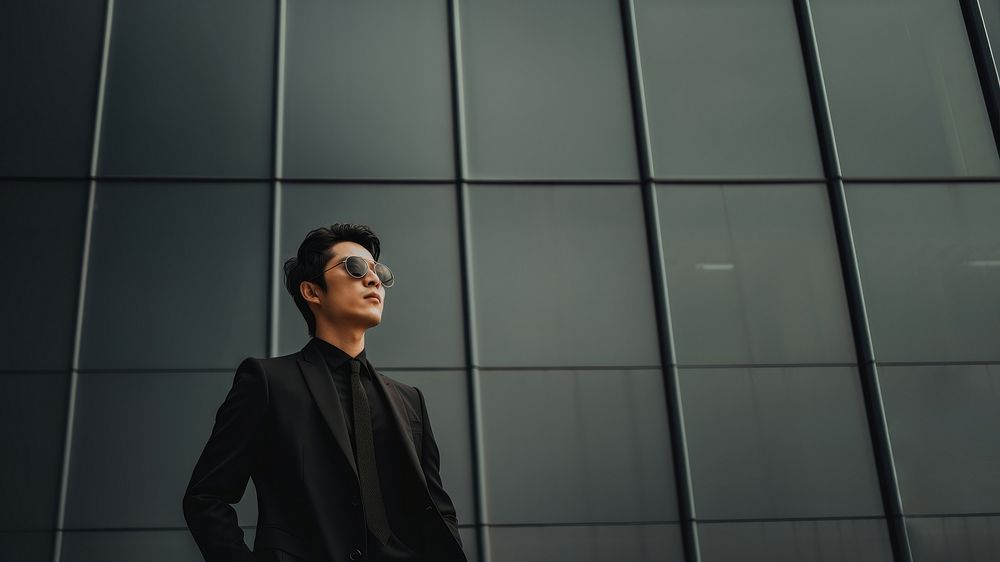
x: 682, y: 280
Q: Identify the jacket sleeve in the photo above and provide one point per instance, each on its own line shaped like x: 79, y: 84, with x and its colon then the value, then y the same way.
x: 221, y: 473
x: 430, y: 461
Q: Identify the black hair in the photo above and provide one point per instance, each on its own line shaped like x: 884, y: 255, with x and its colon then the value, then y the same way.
x: 314, y: 253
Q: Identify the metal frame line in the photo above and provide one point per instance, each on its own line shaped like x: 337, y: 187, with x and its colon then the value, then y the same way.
x: 60, y: 518
x: 147, y: 371
x: 677, y: 436
x: 936, y: 363
x: 897, y: 180
x: 728, y: 182
x: 464, y: 231
x: 871, y: 391
x: 613, y: 368
x: 146, y: 529
x: 276, y: 271
x: 894, y: 180
x: 650, y: 523
x: 767, y: 366
x: 986, y: 67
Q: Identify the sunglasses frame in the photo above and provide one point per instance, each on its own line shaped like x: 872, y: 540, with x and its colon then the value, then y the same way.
x: 369, y: 266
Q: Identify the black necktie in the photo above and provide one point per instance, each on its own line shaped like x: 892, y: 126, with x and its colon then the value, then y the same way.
x: 371, y: 493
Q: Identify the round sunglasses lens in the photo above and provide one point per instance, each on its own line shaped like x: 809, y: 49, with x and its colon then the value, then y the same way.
x: 356, y: 266
x: 384, y: 274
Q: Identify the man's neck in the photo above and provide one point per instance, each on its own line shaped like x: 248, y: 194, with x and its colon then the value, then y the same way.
x: 352, y: 342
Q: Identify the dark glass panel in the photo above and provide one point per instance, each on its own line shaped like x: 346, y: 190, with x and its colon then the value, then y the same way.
x: 546, y: 90
x: 580, y: 446
x: 178, y: 276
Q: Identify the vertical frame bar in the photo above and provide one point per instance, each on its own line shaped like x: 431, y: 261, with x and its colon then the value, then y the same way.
x: 278, y: 116
x: 74, y: 374
x: 465, y: 266
x: 986, y: 66
x: 678, y: 439
x: 860, y: 328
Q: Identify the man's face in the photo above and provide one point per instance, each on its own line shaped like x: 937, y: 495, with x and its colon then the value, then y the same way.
x: 349, y: 300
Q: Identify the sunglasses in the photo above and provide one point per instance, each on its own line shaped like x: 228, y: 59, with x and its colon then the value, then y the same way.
x: 357, y: 267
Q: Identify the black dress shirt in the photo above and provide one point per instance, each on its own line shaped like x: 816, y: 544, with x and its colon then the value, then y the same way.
x: 388, y: 453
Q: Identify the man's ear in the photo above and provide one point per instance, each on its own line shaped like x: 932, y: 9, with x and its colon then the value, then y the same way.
x: 309, y: 291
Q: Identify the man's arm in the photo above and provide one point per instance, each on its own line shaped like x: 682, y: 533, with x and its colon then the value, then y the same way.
x: 431, y: 463
x: 221, y: 474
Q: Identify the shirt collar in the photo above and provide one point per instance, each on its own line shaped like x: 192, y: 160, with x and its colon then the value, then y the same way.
x: 334, y: 356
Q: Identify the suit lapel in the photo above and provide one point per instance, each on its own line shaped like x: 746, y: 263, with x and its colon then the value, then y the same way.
x: 320, y: 384
x: 398, y: 410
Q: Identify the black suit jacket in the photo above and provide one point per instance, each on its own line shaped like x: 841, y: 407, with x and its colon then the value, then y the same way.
x: 282, y: 425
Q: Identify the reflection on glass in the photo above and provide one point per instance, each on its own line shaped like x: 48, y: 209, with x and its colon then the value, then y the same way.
x: 39, y: 310
x: 561, y: 276
x: 943, y: 422
x: 166, y: 246
x: 189, y: 89
x: 753, y: 275
x: 590, y: 543
x: 546, y: 90
x: 136, y: 438
x: 726, y: 90
x: 801, y: 541
x: 798, y: 435
x: 129, y: 546
x: 32, y: 427
x: 367, y: 90
x: 954, y: 539
x: 928, y: 255
x: 576, y: 447
x: 27, y: 546
x: 903, y: 89
x: 50, y: 55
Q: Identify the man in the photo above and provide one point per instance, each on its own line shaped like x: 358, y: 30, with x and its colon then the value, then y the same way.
x: 343, y: 458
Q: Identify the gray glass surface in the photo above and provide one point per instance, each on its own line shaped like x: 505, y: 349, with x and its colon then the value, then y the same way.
x: 546, y: 90
x: 753, y: 275
x: 447, y: 399
x: 189, y: 89
x: 726, y: 91
x: 798, y: 436
x: 367, y: 90
x: 178, y: 276
x: 798, y: 541
x: 50, y: 68
x: 26, y: 547
x: 561, y: 277
x: 422, y: 320
x: 133, y: 546
x: 470, y: 543
x: 136, y: 439
x: 32, y: 427
x: 41, y: 242
x: 943, y: 423
x: 587, y: 446
x: 902, y: 89
x: 591, y: 543
x: 930, y: 266
x: 954, y: 539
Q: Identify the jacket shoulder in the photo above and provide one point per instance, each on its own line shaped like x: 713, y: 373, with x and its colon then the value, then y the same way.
x: 270, y: 365
x: 280, y: 362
